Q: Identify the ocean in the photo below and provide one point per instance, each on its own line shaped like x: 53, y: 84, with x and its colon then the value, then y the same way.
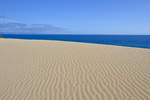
x: 140, y: 41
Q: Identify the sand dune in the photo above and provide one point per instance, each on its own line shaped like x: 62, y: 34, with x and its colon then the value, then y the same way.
x: 56, y: 70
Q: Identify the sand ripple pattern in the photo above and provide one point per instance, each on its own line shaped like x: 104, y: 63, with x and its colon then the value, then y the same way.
x: 56, y: 70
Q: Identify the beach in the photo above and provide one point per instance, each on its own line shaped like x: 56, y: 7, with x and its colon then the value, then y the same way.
x: 58, y: 70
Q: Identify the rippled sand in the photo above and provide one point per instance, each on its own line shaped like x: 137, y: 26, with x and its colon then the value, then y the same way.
x: 56, y: 70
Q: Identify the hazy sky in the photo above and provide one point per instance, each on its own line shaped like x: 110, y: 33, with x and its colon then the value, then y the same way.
x: 82, y: 16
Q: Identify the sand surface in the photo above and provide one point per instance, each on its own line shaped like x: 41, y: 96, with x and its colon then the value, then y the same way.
x: 56, y: 70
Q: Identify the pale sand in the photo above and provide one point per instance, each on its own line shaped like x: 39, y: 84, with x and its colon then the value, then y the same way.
x: 56, y: 70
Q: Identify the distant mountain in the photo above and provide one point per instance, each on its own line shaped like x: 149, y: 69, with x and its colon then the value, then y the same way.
x: 11, y: 26
x: 7, y: 20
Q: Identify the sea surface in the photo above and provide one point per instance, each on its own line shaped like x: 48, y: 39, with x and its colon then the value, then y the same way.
x: 140, y: 41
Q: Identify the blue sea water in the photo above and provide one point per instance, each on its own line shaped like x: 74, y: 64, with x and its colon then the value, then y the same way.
x: 141, y: 41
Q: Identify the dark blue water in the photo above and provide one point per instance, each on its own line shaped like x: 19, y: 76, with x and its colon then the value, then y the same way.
x: 141, y: 41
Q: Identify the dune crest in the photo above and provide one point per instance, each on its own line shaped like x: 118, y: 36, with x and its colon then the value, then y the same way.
x: 57, y: 70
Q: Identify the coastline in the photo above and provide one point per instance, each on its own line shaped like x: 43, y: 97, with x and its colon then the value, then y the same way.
x: 50, y: 70
x: 137, y: 41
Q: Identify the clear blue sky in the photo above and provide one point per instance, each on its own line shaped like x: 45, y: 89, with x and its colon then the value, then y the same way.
x: 83, y: 16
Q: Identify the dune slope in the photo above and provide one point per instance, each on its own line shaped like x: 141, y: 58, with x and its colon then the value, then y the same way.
x: 56, y: 70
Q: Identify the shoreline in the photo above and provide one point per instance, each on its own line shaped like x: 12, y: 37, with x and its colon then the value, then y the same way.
x: 138, y: 41
x: 77, y: 42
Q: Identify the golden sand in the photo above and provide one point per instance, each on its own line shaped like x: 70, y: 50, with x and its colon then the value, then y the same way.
x: 56, y: 70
